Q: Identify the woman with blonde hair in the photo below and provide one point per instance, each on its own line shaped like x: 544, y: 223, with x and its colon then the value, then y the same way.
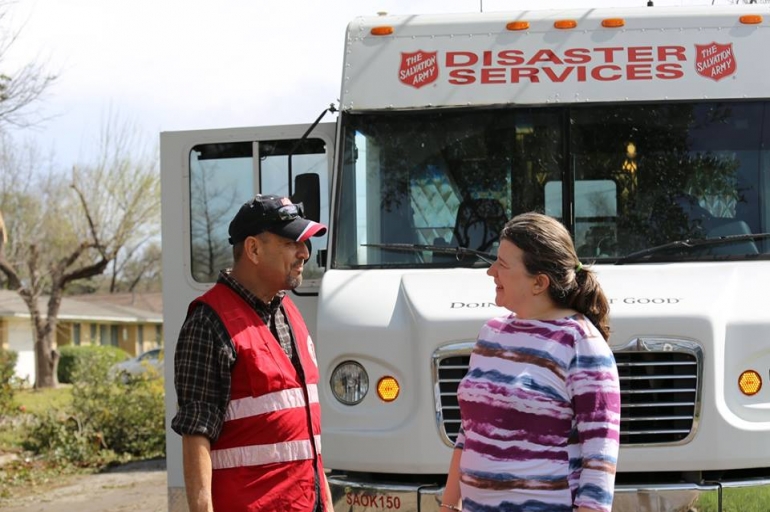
x: 540, y: 404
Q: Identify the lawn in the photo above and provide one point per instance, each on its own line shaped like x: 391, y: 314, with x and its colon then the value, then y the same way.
x: 46, y: 435
x: 30, y: 401
x: 744, y: 499
x: 25, y: 474
x: 37, y: 401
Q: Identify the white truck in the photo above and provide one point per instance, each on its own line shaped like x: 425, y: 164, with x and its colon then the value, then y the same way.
x: 646, y: 131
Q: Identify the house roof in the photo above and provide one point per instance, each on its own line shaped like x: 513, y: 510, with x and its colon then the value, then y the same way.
x: 151, y: 301
x: 102, y: 308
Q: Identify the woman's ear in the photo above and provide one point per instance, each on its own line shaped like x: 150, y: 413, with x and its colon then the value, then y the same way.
x: 541, y: 284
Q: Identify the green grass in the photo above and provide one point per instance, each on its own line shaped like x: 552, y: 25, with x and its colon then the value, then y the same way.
x: 28, y: 402
x: 747, y: 499
x: 27, y: 474
x: 68, y: 441
x: 40, y: 401
x: 10, y: 439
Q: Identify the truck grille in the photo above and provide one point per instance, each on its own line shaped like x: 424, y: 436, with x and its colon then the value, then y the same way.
x: 659, y: 388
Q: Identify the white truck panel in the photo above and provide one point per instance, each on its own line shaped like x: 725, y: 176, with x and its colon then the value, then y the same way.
x: 458, y: 60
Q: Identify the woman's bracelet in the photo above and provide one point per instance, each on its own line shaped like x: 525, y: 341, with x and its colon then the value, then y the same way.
x: 451, y: 507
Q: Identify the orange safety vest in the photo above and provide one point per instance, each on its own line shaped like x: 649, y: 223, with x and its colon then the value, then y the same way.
x: 269, y: 452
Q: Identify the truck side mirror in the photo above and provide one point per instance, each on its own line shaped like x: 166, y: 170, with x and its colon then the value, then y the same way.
x: 307, y: 190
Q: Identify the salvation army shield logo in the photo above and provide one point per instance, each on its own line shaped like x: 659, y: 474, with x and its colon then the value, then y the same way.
x: 715, y: 61
x: 418, y: 69
x: 311, y: 350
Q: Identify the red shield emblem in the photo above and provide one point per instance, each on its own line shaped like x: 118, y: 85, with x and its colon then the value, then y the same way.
x: 419, y: 68
x: 714, y: 60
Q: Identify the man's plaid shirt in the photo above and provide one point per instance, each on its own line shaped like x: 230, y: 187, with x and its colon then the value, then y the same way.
x: 204, y: 359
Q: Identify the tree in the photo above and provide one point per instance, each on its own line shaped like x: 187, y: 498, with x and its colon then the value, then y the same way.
x: 210, y: 208
x: 143, y: 271
x: 64, y: 228
x: 138, y: 254
x: 19, y: 88
x: 136, y: 268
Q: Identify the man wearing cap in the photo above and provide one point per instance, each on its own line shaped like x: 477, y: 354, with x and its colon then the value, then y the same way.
x: 246, y: 377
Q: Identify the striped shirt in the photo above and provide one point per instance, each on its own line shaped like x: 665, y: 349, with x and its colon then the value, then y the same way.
x: 540, y: 409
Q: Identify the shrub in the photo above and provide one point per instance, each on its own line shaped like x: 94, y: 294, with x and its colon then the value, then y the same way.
x: 107, y: 418
x: 139, y: 427
x: 8, y: 360
x: 63, y: 438
x: 71, y: 354
x: 129, y: 416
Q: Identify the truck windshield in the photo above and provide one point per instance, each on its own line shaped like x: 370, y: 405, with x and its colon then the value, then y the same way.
x: 622, y: 178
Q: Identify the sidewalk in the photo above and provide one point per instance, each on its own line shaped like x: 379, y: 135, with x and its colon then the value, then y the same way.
x: 133, y: 487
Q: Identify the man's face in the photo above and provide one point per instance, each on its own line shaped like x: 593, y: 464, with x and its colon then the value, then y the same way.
x: 281, y: 261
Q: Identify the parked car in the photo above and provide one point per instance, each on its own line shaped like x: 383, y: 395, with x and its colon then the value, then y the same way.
x: 151, y: 360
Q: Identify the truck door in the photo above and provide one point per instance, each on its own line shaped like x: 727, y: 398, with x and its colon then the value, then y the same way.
x: 206, y: 176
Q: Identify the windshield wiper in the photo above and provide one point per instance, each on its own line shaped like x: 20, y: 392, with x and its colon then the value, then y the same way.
x: 459, y: 252
x: 690, y: 243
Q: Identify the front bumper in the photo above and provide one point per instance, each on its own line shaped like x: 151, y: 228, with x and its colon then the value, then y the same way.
x: 351, y: 494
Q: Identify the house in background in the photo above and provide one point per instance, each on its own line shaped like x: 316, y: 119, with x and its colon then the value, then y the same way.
x: 132, y: 322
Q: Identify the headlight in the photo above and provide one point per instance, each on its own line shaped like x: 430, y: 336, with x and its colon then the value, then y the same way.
x: 349, y: 382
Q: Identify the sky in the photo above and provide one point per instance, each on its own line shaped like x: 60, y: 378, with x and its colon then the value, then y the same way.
x: 166, y: 65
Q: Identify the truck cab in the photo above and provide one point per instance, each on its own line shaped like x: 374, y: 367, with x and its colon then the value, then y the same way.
x: 644, y: 131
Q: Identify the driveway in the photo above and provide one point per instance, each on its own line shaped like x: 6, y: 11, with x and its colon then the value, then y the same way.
x: 133, y: 487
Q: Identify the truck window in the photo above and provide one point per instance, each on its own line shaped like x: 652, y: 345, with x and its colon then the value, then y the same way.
x: 441, y: 178
x: 223, y: 176
x: 623, y: 178
x: 683, y: 170
x: 596, y: 212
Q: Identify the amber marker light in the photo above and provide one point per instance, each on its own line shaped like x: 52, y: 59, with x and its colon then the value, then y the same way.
x: 384, y: 30
x: 750, y: 383
x: 388, y: 389
x: 517, y: 25
x: 751, y: 19
x: 564, y: 24
x: 613, y: 23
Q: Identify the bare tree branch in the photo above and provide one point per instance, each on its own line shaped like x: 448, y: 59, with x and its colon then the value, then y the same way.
x: 20, y: 89
x: 85, y: 272
x: 92, y: 225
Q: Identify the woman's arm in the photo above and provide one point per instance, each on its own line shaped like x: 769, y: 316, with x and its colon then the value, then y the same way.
x: 594, y: 390
x: 326, y: 493
x: 451, y: 494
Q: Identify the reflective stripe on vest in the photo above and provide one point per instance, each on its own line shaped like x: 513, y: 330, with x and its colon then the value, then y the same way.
x: 271, y: 402
x: 260, y: 454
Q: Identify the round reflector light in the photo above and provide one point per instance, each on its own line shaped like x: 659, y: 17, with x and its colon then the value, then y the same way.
x: 388, y: 389
x: 750, y: 382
